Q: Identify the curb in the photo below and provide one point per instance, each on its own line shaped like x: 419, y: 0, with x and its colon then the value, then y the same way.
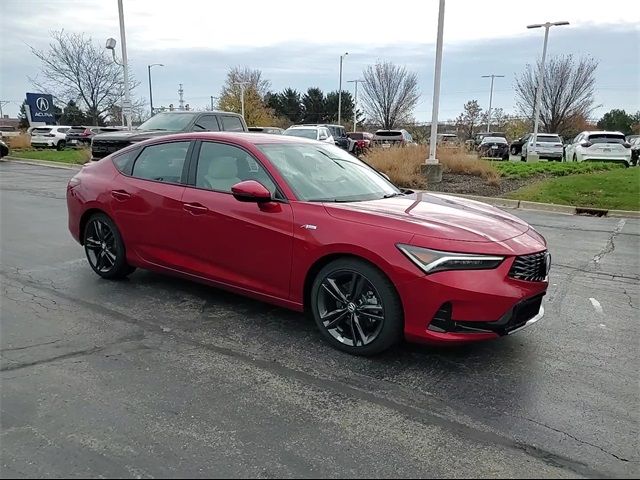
x: 547, y: 207
x: 42, y: 163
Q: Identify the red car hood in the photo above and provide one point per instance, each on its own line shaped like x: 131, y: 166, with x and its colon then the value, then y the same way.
x: 434, y: 215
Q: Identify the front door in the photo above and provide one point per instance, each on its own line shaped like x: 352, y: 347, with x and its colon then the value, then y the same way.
x: 242, y: 244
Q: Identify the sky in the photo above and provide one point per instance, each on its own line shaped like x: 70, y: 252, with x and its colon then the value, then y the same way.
x: 298, y: 44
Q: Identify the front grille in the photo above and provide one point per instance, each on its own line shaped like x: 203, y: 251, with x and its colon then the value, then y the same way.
x: 532, y: 268
x: 102, y: 148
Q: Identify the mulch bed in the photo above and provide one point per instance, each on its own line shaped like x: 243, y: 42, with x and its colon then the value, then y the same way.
x: 473, y: 185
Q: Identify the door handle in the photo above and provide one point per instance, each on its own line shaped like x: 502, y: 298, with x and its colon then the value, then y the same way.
x: 195, y: 208
x: 120, y: 194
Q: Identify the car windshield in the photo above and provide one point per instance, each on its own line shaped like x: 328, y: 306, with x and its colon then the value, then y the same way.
x: 607, y: 138
x: 326, y: 173
x: 311, y: 133
x: 548, y: 139
x: 168, y: 121
x: 389, y: 134
x: 494, y: 140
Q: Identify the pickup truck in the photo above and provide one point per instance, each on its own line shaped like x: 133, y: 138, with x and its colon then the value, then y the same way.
x: 166, y: 123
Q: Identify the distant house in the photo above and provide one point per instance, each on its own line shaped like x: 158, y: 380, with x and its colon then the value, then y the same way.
x: 6, y: 121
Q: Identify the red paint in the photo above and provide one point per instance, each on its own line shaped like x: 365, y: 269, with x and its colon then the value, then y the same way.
x: 260, y: 248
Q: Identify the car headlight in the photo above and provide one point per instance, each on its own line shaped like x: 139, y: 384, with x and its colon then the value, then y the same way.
x: 431, y: 261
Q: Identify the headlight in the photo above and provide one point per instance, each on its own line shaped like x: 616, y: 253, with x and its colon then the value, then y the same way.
x: 431, y: 261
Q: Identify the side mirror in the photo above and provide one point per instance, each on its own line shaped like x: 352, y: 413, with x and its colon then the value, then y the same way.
x: 251, y: 191
x: 322, y: 137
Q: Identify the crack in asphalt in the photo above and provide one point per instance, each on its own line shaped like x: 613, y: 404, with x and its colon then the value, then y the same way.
x: 136, y: 337
x: 584, y: 442
x: 610, y: 246
x: 418, y: 414
x: 630, y: 300
x: 13, y: 349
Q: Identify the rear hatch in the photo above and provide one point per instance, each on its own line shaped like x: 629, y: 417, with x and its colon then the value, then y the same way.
x: 388, y: 138
x: 548, y: 144
x: 41, y: 133
x: 607, y: 144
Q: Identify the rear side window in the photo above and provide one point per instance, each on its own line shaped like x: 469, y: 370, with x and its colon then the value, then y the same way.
x: 207, y: 122
x: 231, y: 124
x: 162, y: 163
x: 63, y: 130
x: 124, y: 161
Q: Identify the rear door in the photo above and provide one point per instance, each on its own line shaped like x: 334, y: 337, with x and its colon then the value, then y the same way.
x: 246, y: 245
x: 146, y: 201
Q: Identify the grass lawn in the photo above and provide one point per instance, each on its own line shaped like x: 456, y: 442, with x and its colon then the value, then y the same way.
x: 617, y: 189
x: 555, y: 169
x: 65, y: 156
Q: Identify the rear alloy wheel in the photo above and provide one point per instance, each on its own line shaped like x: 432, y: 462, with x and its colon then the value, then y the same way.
x: 356, y: 307
x: 105, y: 249
x: 61, y: 145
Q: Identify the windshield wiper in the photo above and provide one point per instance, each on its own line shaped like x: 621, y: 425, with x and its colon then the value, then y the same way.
x: 391, y: 195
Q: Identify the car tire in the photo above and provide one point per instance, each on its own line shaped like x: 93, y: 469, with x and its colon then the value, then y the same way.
x: 575, y: 157
x: 362, y: 303
x: 105, y: 248
x: 61, y: 145
x: 514, y: 151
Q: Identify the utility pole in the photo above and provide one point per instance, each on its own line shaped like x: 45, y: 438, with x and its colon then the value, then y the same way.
x: 536, y: 112
x: 125, y: 63
x: 355, y: 108
x: 340, y: 89
x: 212, y: 103
x: 491, y: 97
x: 242, y: 84
x: 2, y: 103
x: 181, y: 101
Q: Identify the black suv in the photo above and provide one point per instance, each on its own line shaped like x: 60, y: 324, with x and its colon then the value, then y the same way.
x: 166, y: 123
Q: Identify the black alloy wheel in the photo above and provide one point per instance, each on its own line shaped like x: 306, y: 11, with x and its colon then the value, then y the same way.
x: 61, y: 145
x: 104, y: 248
x: 356, y: 307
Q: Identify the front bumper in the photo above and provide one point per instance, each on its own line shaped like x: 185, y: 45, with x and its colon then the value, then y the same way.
x: 44, y: 143
x: 453, y: 307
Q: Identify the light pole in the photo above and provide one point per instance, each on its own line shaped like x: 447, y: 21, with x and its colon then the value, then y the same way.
x: 125, y: 64
x: 436, y: 90
x: 340, y: 88
x: 150, y: 90
x: 355, y: 108
x: 536, y: 111
x: 242, y: 84
x: 111, y: 45
x: 491, y: 97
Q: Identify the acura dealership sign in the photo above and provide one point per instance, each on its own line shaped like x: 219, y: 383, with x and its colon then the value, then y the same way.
x: 41, y: 107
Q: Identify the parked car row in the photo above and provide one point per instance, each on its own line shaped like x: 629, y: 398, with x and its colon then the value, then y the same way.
x: 82, y: 135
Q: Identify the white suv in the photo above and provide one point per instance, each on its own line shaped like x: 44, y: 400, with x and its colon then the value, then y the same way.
x: 321, y: 134
x: 50, y: 136
x: 599, y: 146
x: 548, y: 145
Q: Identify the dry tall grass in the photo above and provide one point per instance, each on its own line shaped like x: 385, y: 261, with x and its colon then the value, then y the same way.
x: 403, y: 164
x: 21, y: 141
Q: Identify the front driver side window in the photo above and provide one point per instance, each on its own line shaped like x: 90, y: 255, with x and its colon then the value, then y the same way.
x: 221, y: 166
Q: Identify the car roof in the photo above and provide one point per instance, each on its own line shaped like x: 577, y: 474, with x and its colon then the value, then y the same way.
x: 308, y: 127
x: 240, y: 138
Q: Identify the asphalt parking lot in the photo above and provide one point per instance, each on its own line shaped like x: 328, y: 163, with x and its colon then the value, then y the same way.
x: 158, y: 377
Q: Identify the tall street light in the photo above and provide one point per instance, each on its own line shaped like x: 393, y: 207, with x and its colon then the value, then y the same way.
x: 536, y: 112
x: 111, y: 45
x: 355, y: 108
x: 125, y: 63
x: 436, y: 90
x: 242, y: 84
x: 150, y: 90
x: 340, y: 89
x: 491, y: 97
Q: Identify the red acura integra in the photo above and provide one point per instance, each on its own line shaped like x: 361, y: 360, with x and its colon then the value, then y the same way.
x: 307, y: 226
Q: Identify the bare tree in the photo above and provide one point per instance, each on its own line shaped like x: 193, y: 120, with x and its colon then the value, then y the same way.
x: 567, y: 95
x: 390, y: 93
x: 469, y: 119
x: 75, y: 68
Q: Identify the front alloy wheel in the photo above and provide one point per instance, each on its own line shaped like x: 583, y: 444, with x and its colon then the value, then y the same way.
x: 356, y: 307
